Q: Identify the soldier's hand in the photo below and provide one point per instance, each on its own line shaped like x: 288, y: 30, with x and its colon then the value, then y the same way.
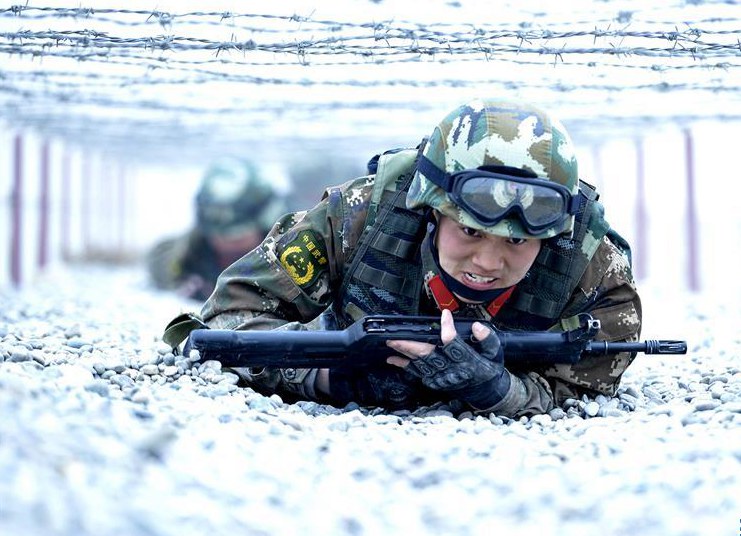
x: 473, y: 373
x: 382, y: 385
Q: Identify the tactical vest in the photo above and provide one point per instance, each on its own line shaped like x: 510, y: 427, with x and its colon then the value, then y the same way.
x: 384, y: 274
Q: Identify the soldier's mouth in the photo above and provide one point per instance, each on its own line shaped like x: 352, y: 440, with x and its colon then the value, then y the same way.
x: 476, y: 280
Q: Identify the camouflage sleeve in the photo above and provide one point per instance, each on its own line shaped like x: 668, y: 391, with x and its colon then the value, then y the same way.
x: 289, y: 279
x: 529, y: 394
x: 606, y: 291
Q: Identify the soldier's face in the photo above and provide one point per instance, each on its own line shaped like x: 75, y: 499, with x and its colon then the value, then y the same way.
x: 483, y: 261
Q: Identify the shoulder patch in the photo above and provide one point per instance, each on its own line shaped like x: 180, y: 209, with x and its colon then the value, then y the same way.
x: 304, y: 258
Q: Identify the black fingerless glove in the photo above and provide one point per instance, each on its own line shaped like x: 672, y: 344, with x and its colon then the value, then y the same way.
x: 472, y: 373
x: 386, y: 386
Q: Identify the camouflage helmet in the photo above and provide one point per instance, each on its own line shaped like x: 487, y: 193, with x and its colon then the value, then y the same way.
x: 234, y: 198
x: 496, y: 132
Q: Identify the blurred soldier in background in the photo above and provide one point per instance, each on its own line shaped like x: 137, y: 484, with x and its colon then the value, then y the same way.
x: 486, y: 219
x: 235, y: 208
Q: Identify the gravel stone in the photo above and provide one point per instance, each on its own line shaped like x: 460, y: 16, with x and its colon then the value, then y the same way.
x: 149, y: 369
x: 705, y: 405
x: 591, y: 409
x: 105, y: 432
x: 122, y: 380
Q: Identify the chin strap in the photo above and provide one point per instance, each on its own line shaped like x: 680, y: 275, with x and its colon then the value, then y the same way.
x: 447, y: 300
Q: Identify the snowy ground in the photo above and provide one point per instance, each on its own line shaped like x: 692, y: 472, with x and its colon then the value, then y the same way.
x: 103, y: 432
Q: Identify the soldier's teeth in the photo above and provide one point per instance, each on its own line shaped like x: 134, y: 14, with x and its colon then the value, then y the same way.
x: 479, y: 279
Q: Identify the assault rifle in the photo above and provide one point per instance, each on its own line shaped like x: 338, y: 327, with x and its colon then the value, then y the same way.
x: 364, y: 343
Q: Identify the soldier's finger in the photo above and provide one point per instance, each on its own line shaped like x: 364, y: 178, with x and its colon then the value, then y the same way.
x: 447, y: 327
x: 398, y: 361
x: 480, y: 331
x: 411, y: 349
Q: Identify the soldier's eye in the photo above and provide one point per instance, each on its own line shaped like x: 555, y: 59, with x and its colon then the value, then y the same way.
x: 516, y: 241
x: 470, y: 231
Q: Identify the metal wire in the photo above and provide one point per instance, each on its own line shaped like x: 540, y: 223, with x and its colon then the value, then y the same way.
x: 69, y: 69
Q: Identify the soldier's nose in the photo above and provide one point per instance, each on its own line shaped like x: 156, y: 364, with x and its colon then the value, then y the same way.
x: 489, y: 258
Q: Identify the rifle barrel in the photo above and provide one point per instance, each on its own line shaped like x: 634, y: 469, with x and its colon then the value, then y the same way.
x: 651, y: 346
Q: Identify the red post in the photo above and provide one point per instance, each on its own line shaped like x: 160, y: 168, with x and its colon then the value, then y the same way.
x: 16, y: 275
x: 693, y: 250
x: 641, y: 253
x: 43, y: 252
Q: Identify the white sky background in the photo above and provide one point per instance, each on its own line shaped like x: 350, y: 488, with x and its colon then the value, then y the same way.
x: 165, y: 183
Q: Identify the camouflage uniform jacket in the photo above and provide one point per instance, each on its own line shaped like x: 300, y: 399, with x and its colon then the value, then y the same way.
x: 292, y: 276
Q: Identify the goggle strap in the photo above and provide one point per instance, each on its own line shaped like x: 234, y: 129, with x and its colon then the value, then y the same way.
x: 434, y: 174
x: 575, y: 202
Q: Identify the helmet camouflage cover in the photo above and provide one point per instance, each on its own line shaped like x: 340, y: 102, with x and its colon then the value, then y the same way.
x: 234, y: 198
x: 497, y: 133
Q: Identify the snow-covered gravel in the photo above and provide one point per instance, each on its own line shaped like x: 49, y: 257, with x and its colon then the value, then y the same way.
x: 104, y: 432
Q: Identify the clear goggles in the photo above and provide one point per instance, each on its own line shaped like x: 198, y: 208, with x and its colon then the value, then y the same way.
x: 490, y: 197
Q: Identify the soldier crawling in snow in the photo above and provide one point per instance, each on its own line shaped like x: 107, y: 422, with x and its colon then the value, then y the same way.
x: 486, y: 219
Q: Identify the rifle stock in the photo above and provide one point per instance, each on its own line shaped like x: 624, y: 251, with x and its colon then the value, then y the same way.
x: 364, y: 343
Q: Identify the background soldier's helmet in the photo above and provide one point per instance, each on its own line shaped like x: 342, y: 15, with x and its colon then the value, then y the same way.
x: 234, y: 198
x: 497, y: 133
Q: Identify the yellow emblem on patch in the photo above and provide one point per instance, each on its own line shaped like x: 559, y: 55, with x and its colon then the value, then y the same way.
x: 297, y: 265
x: 303, y: 258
